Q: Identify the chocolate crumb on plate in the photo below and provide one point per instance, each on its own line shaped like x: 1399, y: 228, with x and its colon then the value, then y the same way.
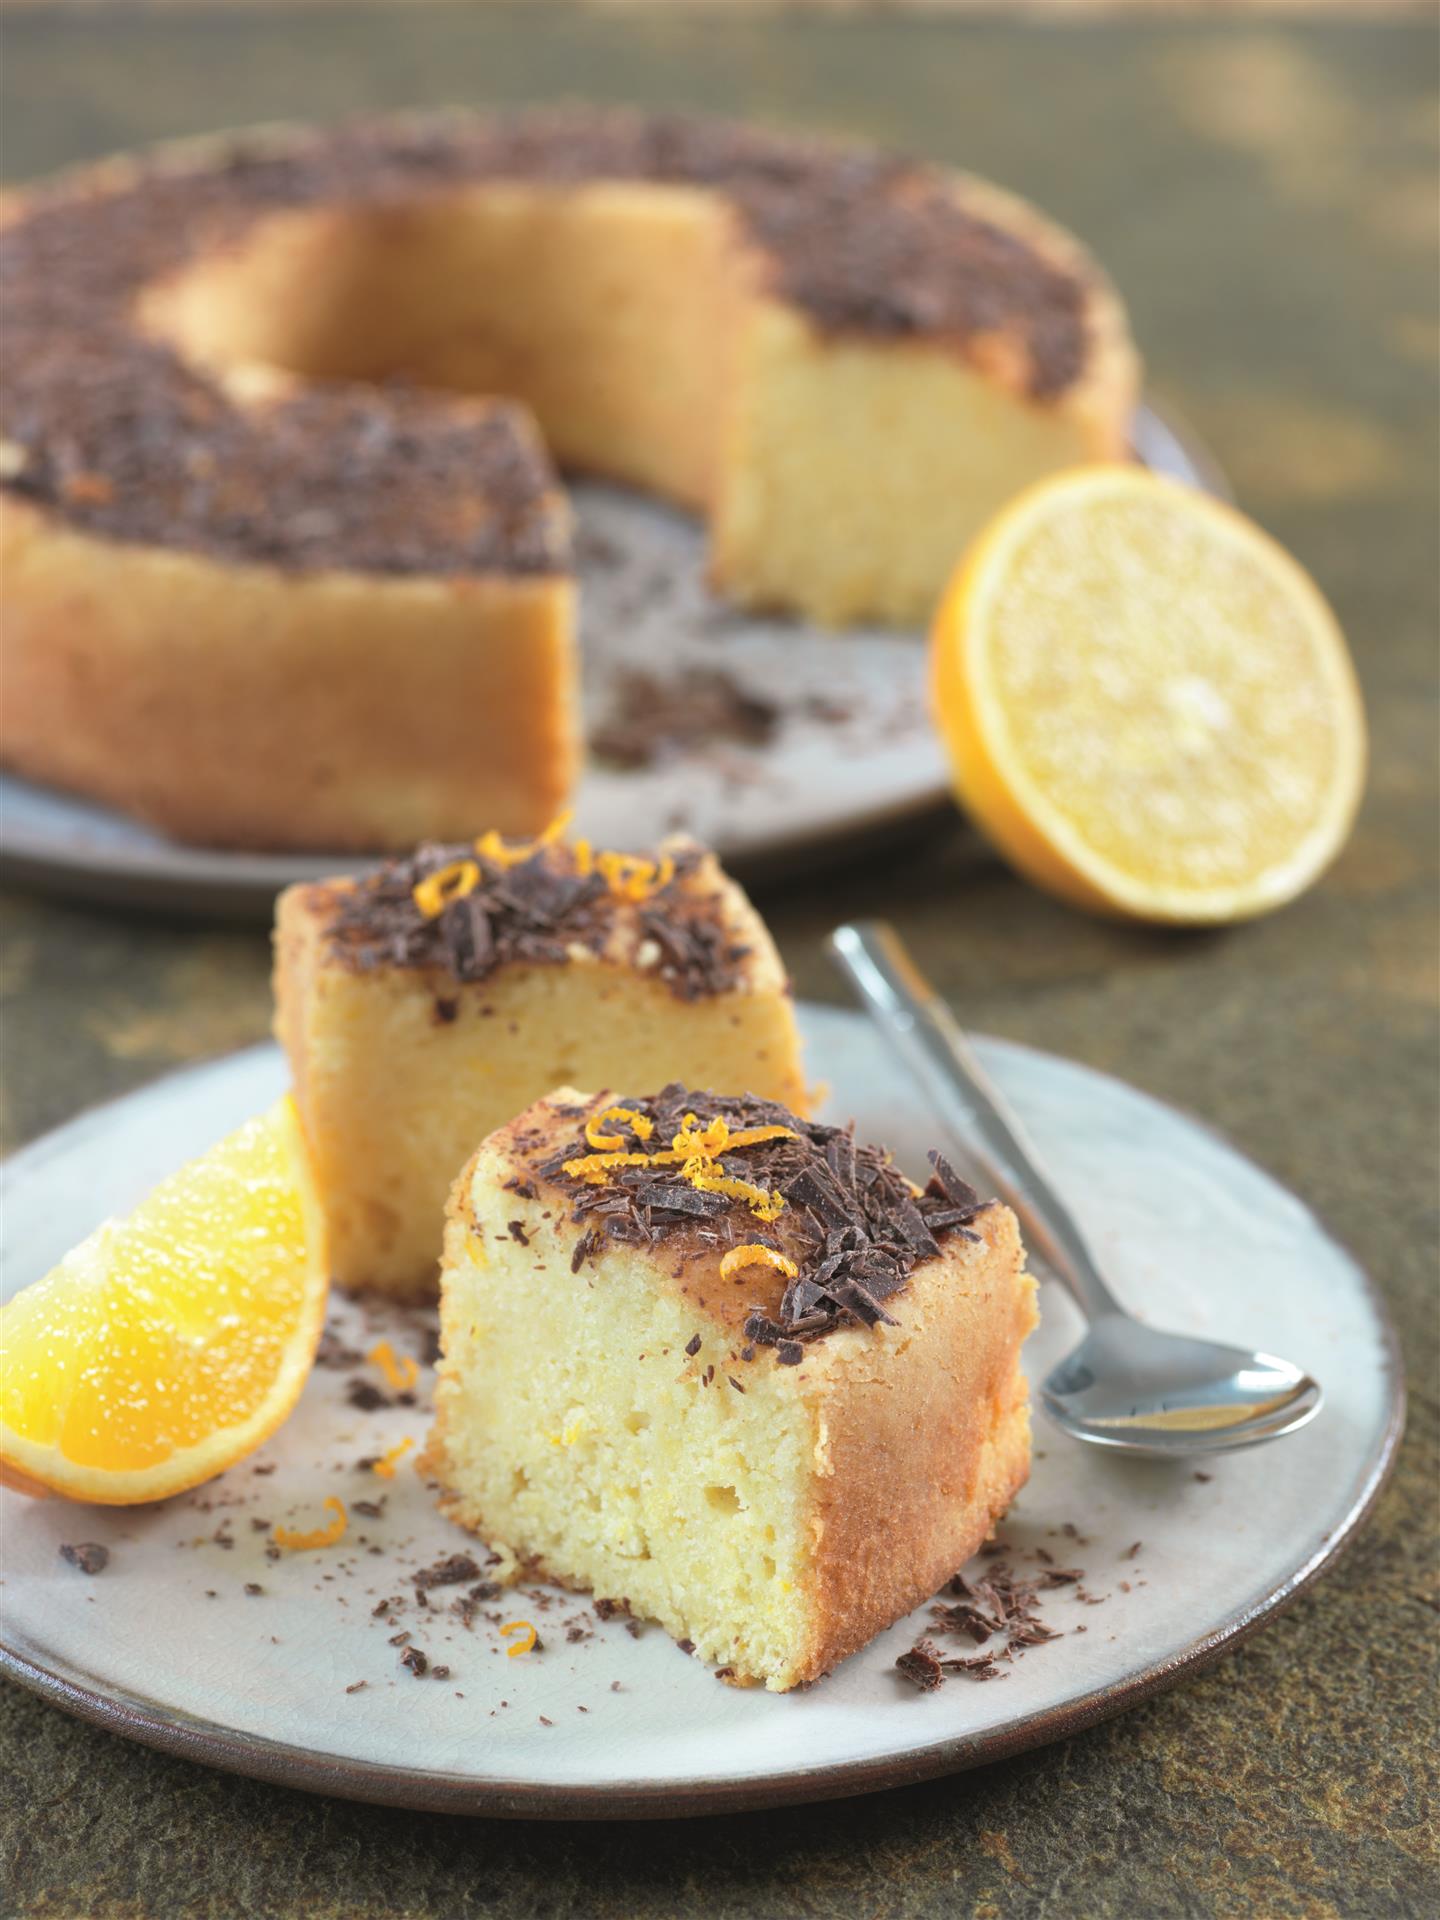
x: 415, y: 1660
x: 448, y: 1572
x: 652, y: 721
x: 921, y: 1667
x: 366, y: 1397
x: 87, y: 1555
x: 357, y: 1686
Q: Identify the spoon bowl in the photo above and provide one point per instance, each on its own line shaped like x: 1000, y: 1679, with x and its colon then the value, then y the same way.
x: 1130, y: 1386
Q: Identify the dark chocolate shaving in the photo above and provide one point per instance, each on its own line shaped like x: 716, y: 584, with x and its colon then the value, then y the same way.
x: 1001, y: 1606
x: 449, y: 1572
x: 87, y: 1555
x: 851, y: 1222
x: 537, y: 912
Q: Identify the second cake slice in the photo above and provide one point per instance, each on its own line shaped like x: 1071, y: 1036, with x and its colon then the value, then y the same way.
x: 423, y: 1006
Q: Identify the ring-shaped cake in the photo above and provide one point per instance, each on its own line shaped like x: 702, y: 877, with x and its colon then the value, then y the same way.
x: 278, y: 568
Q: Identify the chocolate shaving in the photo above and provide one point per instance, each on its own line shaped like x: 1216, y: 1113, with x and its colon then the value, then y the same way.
x: 87, y: 1555
x: 851, y: 1222
x: 653, y: 721
x: 1001, y: 1606
x: 922, y: 1667
x: 415, y: 1660
x: 448, y: 1573
x: 537, y: 912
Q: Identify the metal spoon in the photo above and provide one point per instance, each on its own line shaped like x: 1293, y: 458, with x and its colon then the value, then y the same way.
x: 1126, y: 1386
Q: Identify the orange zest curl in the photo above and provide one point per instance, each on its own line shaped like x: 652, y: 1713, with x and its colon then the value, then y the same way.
x: 694, y: 1142
x: 755, y: 1136
x: 752, y: 1254
x: 399, y: 1374
x: 525, y: 1645
x: 491, y: 847
x: 633, y: 878
x: 595, y: 1167
x: 765, y: 1206
x: 451, y: 882
x: 603, y: 1142
x: 326, y: 1536
x: 696, y: 1147
x: 386, y: 1464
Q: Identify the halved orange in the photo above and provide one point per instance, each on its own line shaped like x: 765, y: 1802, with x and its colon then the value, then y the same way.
x: 1149, y: 707
x: 169, y: 1344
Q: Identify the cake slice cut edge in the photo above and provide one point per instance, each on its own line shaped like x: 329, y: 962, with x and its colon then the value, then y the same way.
x: 620, y: 1417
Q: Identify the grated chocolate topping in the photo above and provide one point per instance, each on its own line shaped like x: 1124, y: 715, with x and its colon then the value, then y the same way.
x: 537, y: 911
x: 116, y: 431
x: 852, y: 1224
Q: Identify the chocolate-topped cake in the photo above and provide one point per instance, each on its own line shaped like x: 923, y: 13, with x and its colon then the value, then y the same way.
x: 249, y: 393
x: 425, y: 1004
x: 728, y: 1367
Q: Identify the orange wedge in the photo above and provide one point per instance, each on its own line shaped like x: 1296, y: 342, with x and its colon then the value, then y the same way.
x: 168, y: 1345
x: 1148, y: 706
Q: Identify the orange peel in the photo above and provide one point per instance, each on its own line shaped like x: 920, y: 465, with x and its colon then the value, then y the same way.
x: 447, y: 884
x: 385, y: 1466
x: 521, y: 1646
x: 401, y: 1373
x: 641, y: 1126
x: 326, y: 1536
x: 752, y: 1254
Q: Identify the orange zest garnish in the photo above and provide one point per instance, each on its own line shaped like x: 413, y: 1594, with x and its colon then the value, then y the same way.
x: 595, y: 1167
x: 694, y: 1142
x: 399, y: 1374
x: 326, y: 1536
x: 752, y: 1254
x: 639, y: 1125
x: 765, y: 1206
x: 584, y: 859
x: 754, y: 1136
x: 695, y: 1146
x: 490, y: 846
x: 524, y: 1645
x: 631, y: 877
x: 451, y: 882
x: 386, y: 1464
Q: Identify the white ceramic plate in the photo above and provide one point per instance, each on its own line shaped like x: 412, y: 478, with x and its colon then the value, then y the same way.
x: 852, y: 757
x: 166, y: 1644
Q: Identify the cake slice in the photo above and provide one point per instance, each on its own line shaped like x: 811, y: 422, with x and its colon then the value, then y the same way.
x: 424, y: 1005
x: 729, y: 1368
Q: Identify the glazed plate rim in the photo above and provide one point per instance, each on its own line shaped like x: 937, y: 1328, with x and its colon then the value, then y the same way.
x: 173, y: 1730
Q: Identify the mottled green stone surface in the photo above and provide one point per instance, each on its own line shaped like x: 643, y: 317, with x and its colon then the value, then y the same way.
x: 1266, y: 196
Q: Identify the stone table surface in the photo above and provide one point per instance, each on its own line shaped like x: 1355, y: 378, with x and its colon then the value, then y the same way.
x: 1265, y: 193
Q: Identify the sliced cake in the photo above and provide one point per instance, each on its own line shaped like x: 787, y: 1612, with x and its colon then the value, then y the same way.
x: 729, y: 1368
x: 249, y: 398
x: 424, y: 1005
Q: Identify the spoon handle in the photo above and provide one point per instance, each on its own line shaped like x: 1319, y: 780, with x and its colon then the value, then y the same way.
x: 930, y: 1040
